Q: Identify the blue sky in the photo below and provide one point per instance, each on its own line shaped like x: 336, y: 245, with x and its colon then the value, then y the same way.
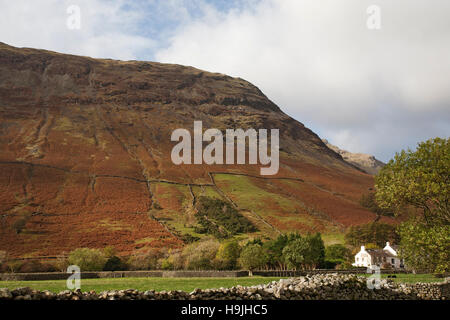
x: 370, y: 91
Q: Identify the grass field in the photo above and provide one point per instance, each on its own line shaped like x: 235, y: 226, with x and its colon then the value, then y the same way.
x: 184, y: 284
x: 142, y: 284
x: 412, y: 278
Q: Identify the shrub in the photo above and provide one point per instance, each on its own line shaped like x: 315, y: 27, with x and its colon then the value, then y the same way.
x: 14, y: 265
x: 19, y: 225
x: 344, y: 266
x: 88, y: 259
x: 35, y: 266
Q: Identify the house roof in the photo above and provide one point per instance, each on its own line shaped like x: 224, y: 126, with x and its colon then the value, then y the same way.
x: 380, y: 253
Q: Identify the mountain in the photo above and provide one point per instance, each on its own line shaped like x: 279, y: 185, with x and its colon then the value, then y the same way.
x: 366, y: 162
x: 86, y: 147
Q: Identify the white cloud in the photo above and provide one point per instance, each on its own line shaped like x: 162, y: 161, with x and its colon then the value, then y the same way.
x: 366, y: 91
x: 108, y: 28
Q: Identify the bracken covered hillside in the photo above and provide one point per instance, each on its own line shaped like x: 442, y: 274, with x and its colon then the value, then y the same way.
x: 85, y: 157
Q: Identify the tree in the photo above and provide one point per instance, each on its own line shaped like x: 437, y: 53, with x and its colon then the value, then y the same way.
x: 420, y: 179
x: 228, y: 254
x: 294, y: 253
x: 275, y: 248
x: 88, y: 259
x: 369, y: 201
x: 114, y: 263
x: 109, y: 251
x: 306, y: 253
x: 146, y: 260
x: 337, y: 254
x: 253, y: 257
x: 425, y: 248
x: 374, y: 232
x: 200, y: 255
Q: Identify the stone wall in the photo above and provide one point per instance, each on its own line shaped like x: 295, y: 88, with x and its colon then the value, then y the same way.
x: 121, y: 274
x: 314, y: 287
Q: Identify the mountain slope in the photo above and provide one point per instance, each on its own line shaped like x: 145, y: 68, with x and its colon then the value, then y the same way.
x: 86, y: 161
x: 366, y: 162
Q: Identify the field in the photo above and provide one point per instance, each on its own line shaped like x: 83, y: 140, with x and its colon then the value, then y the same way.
x: 412, y: 278
x: 142, y: 284
x: 183, y: 284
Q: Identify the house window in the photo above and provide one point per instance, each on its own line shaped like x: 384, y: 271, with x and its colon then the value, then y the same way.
x: 392, y: 260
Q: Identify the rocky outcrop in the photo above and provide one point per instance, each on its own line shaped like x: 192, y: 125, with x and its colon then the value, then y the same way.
x: 316, y: 287
x: 364, y: 161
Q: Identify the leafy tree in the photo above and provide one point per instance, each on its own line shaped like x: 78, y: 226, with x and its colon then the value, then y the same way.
x: 420, y: 179
x: 317, y: 251
x: 368, y: 201
x: 146, y: 260
x: 306, y: 253
x: 114, y: 263
x: 228, y: 254
x: 253, y: 257
x: 109, y: 251
x: 88, y: 259
x: 425, y: 247
x: 62, y: 262
x: 295, y: 253
x: 200, y: 255
x: 275, y: 249
x: 374, y: 232
x: 337, y: 254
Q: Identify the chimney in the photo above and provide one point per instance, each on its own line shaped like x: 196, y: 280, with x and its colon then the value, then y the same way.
x: 387, y: 244
x: 363, y: 248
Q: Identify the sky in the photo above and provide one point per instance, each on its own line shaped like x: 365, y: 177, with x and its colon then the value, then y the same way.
x: 370, y: 90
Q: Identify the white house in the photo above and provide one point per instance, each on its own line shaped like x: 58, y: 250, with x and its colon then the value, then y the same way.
x: 379, y: 257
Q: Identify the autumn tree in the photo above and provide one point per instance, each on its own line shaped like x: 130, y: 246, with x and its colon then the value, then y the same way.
x: 420, y: 179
